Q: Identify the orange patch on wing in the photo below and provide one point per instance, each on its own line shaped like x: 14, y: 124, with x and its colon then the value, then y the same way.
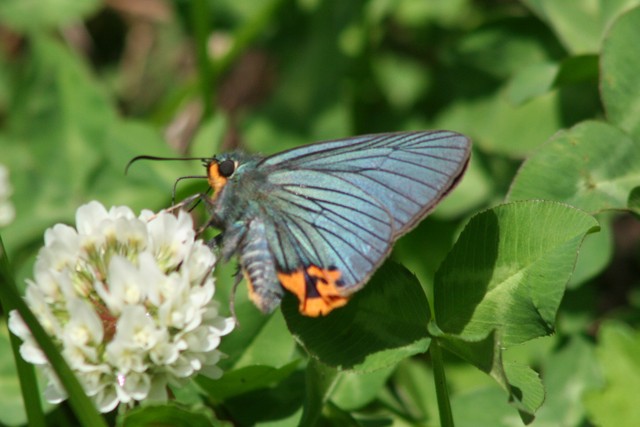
x: 216, y: 181
x: 317, y: 289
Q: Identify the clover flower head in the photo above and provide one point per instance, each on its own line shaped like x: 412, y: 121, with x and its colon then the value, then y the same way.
x: 7, y: 211
x: 129, y: 302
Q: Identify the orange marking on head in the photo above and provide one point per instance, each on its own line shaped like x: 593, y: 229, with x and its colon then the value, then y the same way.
x: 327, y: 296
x: 216, y: 181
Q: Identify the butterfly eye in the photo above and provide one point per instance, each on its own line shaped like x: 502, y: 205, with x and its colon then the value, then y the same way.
x: 226, y: 168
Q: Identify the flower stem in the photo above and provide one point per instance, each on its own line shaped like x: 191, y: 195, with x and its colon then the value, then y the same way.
x: 26, y: 374
x: 320, y: 381
x: 442, y: 393
x: 83, y: 407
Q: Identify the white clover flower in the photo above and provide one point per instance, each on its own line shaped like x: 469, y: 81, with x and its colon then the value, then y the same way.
x: 129, y: 302
x: 7, y: 211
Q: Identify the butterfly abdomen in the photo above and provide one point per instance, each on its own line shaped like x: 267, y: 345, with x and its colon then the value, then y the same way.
x: 257, y: 264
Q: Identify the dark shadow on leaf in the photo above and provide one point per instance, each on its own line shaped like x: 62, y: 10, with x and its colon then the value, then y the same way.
x: 457, y: 291
x: 390, y: 312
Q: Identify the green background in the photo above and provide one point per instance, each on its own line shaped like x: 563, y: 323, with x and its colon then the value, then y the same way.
x: 527, y: 275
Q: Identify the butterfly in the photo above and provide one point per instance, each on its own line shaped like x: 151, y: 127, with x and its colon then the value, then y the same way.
x: 318, y: 220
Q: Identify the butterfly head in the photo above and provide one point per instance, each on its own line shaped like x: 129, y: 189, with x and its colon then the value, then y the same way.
x: 228, y: 167
x: 219, y: 170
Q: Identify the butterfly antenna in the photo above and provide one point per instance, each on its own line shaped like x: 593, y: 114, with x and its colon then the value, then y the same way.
x: 145, y: 157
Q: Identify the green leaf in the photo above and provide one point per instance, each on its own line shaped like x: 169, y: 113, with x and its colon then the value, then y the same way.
x: 634, y: 200
x: 526, y: 388
x: 508, y: 270
x: 595, y: 253
x: 354, y: 390
x: 416, y: 13
x: 383, y: 323
x: 620, y: 83
x: 279, y: 405
x: 580, y: 25
x: 12, y: 407
x: 171, y: 415
x: 505, y: 136
x: 18, y: 379
x: 435, y: 238
x: 258, y: 339
x: 403, y: 81
x: 521, y: 383
x: 306, y: 103
x: 502, y: 284
x: 82, y: 406
x: 473, y: 191
x: 272, y: 346
x: 618, y: 352
x: 577, y: 69
x: 592, y: 166
x: 209, y: 137
x: 320, y: 380
x: 539, y: 78
x: 334, y: 416
x: 246, y: 379
x: 414, y: 392
x: 66, y: 146
x: 483, y: 407
x: 44, y: 15
x: 531, y: 81
x: 502, y: 47
x: 568, y: 374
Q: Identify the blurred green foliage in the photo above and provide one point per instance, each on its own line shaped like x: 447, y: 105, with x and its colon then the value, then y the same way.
x: 548, y: 90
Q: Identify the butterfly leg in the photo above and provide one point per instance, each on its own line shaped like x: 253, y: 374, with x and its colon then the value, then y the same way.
x: 215, y: 242
x: 230, y: 240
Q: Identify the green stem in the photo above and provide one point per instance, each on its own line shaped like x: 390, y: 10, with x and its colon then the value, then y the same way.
x: 26, y: 374
x: 210, y: 71
x: 320, y: 381
x: 442, y: 393
x: 83, y: 407
x: 201, y: 20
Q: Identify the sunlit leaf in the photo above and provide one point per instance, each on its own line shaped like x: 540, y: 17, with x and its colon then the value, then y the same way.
x: 580, y: 25
x: 44, y: 15
x: 592, y: 166
x: 508, y: 271
x: 618, y: 353
x: 620, y: 78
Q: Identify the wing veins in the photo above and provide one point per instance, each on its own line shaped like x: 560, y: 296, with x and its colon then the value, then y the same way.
x: 328, y: 242
x: 384, y: 139
x: 330, y: 231
x: 326, y: 209
x: 393, y: 190
x: 289, y: 187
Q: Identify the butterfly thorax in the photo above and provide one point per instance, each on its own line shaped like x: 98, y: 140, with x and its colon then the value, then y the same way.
x: 237, y: 197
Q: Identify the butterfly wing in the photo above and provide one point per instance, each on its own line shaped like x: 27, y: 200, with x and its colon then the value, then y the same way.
x: 336, y: 207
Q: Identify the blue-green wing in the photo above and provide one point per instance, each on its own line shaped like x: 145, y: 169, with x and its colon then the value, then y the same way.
x: 327, y: 222
x: 341, y: 204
